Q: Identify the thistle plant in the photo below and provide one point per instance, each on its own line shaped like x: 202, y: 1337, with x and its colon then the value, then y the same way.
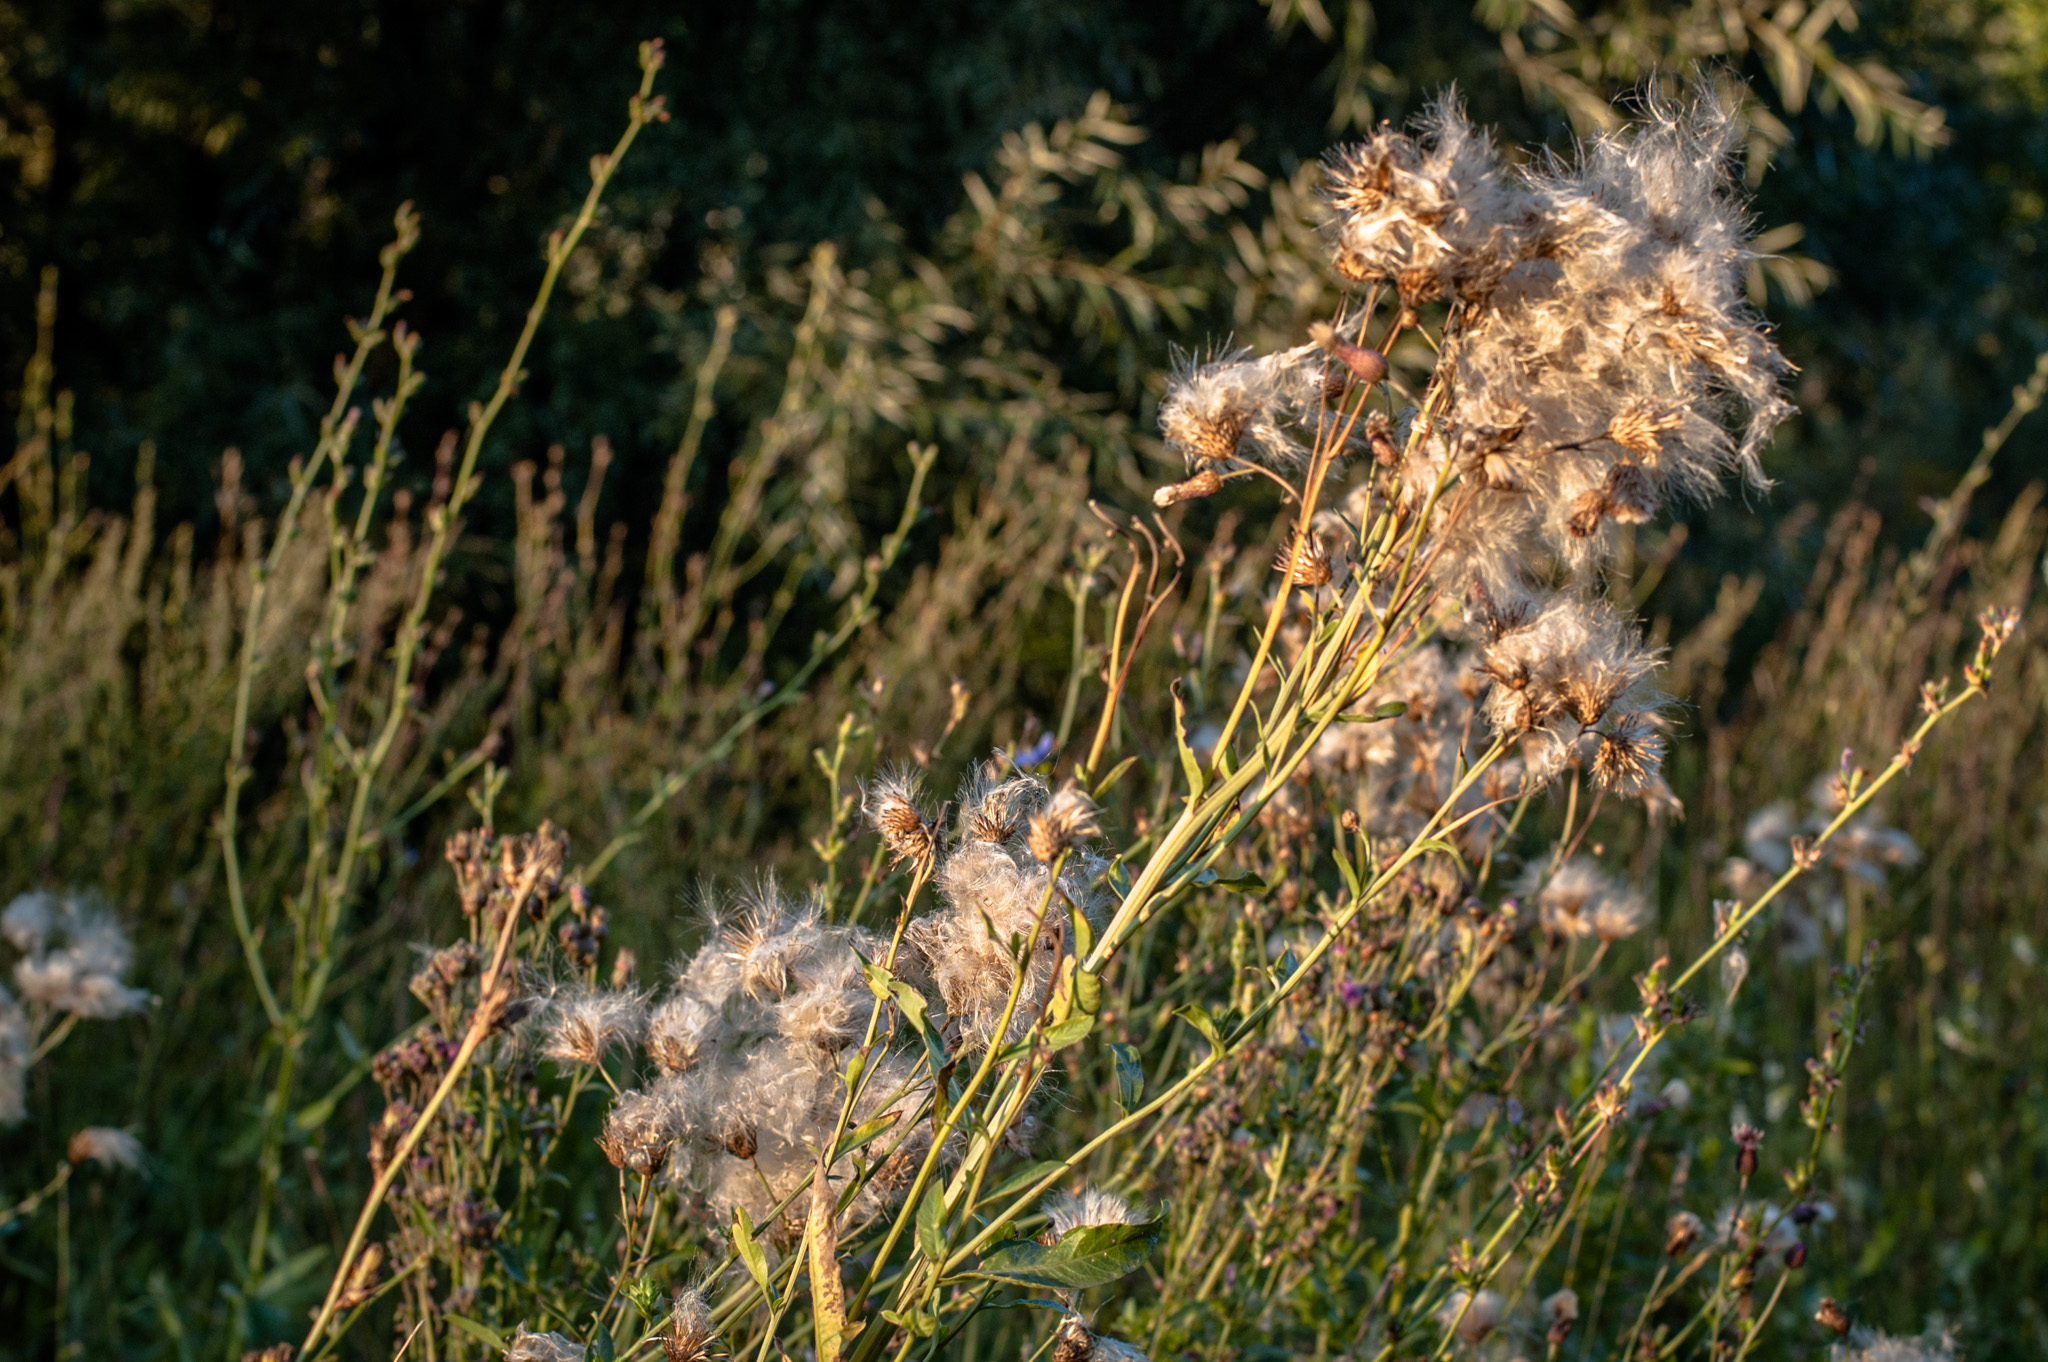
x: 1293, y: 1005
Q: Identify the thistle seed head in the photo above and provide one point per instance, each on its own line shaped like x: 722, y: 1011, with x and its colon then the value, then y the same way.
x: 891, y: 809
x: 106, y: 1147
x: 1068, y: 820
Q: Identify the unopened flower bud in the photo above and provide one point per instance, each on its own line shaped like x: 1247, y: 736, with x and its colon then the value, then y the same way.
x: 1370, y: 366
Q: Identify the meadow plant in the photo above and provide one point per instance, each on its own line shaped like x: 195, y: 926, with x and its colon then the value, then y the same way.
x: 1289, y: 995
x: 1372, y: 1131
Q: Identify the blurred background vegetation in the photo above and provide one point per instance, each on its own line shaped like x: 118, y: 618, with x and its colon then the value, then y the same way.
x: 980, y: 225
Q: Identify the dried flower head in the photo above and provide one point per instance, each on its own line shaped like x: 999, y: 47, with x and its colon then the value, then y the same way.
x: 1582, y: 900
x: 891, y: 809
x: 362, y: 1278
x: 1630, y: 756
x: 1068, y: 819
x: 583, y: 1024
x: 1562, y: 1311
x: 1868, y: 1345
x: 106, y: 1147
x: 1090, y: 1206
x: 83, y: 974
x: 1681, y: 1232
x: 1472, y: 1316
x: 1565, y: 666
x: 1074, y: 1341
x: 678, y: 1031
x: 1238, y: 406
x: 28, y: 921
x: 687, y: 1335
x: 549, y: 1347
x: 639, y: 1132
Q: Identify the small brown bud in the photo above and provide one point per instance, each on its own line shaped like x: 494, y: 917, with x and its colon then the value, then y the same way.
x: 362, y: 1279
x: 1380, y: 436
x: 741, y: 1143
x: 1369, y: 366
x: 1630, y: 495
x: 1747, y: 1140
x: 1831, y: 1316
x: 1205, y: 483
x: 1588, y: 510
x: 1795, y: 1256
x: 1681, y: 1232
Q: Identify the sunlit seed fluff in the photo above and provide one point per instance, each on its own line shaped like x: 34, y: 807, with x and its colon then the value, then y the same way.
x: 678, y: 1030
x: 1581, y: 900
x: 1681, y: 1232
x: 687, y: 1334
x: 1561, y: 1311
x: 639, y: 1132
x: 1436, y: 214
x: 1605, y: 344
x: 767, y: 940
x: 1089, y: 1207
x: 1068, y: 820
x: 1571, y: 659
x: 1474, y: 1317
x: 995, y: 811
x: 582, y: 1025
x: 549, y: 1347
x: 891, y: 809
x: 106, y: 1147
x: 27, y: 922
x: 1629, y: 758
x: 1074, y: 1341
x: 1869, y: 1345
x: 1243, y: 407
x: 83, y: 975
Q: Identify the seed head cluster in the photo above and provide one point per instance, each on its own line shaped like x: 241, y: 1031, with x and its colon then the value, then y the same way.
x: 1602, y: 356
x: 73, y: 956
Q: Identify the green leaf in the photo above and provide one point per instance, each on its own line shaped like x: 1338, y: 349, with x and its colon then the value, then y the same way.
x: 911, y: 1003
x: 1073, y: 1030
x: 1190, y: 768
x: 601, y: 1341
x: 1116, y: 773
x: 1087, y: 993
x: 750, y: 1252
x: 1243, y: 882
x: 865, y: 1132
x: 1130, y: 1074
x: 644, y: 1292
x: 880, y: 981
x: 1084, y: 935
x: 1088, y: 1255
x: 918, y: 1323
x: 482, y: 1333
x: 1344, y: 868
x: 931, y: 1224
x: 1197, y: 1016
